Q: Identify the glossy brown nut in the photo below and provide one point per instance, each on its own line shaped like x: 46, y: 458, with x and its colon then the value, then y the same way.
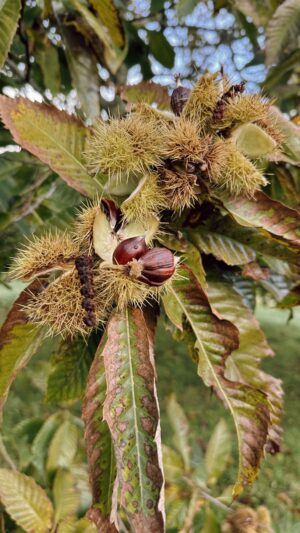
x: 112, y: 212
x: 158, y: 265
x: 129, y: 249
x: 179, y: 98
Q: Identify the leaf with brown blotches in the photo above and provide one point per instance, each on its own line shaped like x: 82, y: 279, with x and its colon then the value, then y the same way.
x: 131, y: 411
x: 56, y: 138
x: 244, y: 363
x: 100, y: 453
x: 147, y: 92
x: 270, y: 215
x: 19, y: 341
x: 214, y: 340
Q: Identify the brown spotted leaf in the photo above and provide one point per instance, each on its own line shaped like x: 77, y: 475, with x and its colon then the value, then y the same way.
x: 214, y: 340
x: 244, y: 363
x: 270, y: 215
x: 100, y: 453
x: 131, y: 411
x: 19, y: 341
x: 147, y: 92
x: 56, y: 138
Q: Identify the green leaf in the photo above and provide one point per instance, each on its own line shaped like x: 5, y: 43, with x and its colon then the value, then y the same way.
x: 131, y: 411
x: 100, y: 452
x: 25, y: 501
x: 63, y: 446
x: 217, y: 452
x: 215, y: 339
x: 180, y: 426
x: 67, y: 379
x: 173, y: 465
x: 282, y: 30
x: 161, y: 48
x: 66, y: 498
x: 103, y: 24
x: 270, y: 215
x: 19, y: 341
x: 77, y: 526
x: 256, y: 239
x: 147, y: 92
x: 9, y: 16
x: 185, y: 7
x: 47, y: 58
x: 244, y: 363
x: 42, y: 441
x: 156, y: 5
x: 56, y: 138
x: 84, y: 73
x: 227, y: 249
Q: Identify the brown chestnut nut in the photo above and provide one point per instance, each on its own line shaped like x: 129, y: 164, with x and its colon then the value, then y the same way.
x: 129, y: 249
x: 179, y: 98
x: 158, y: 265
x: 113, y: 213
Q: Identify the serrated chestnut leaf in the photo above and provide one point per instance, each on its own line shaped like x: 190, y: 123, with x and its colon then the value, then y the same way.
x: 129, y: 249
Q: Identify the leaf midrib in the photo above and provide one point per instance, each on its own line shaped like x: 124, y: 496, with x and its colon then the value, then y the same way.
x: 138, y: 445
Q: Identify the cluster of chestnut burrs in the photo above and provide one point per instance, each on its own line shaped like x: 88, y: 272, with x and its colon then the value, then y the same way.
x: 107, y: 263
x: 156, y: 163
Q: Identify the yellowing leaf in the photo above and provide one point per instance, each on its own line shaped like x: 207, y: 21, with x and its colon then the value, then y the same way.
x: 9, y: 16
x: 131, y: 411
x: 283, y: 28
x: 66, y: 498
x: 63, y: 446
x: 19, y: 341
x: 55, y: 137
x: 253, y: 141
x: 217, y: 452
x: 215, y: 339
x: 180, y: 428
x: 113, y: 55
x: 25, y: 501
x: 108, y: 14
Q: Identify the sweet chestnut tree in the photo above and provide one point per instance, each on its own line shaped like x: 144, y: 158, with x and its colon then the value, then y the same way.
x: 174, y: 221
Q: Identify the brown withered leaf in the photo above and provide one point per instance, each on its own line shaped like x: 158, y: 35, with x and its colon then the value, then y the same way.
x: 147, y: 92
x: 100, y: 453
x: 19, y: 341
x: 131, y: 411
x: 254, y: 271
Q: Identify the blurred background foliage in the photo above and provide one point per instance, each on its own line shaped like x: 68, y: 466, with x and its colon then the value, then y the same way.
x: 78, y: 54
